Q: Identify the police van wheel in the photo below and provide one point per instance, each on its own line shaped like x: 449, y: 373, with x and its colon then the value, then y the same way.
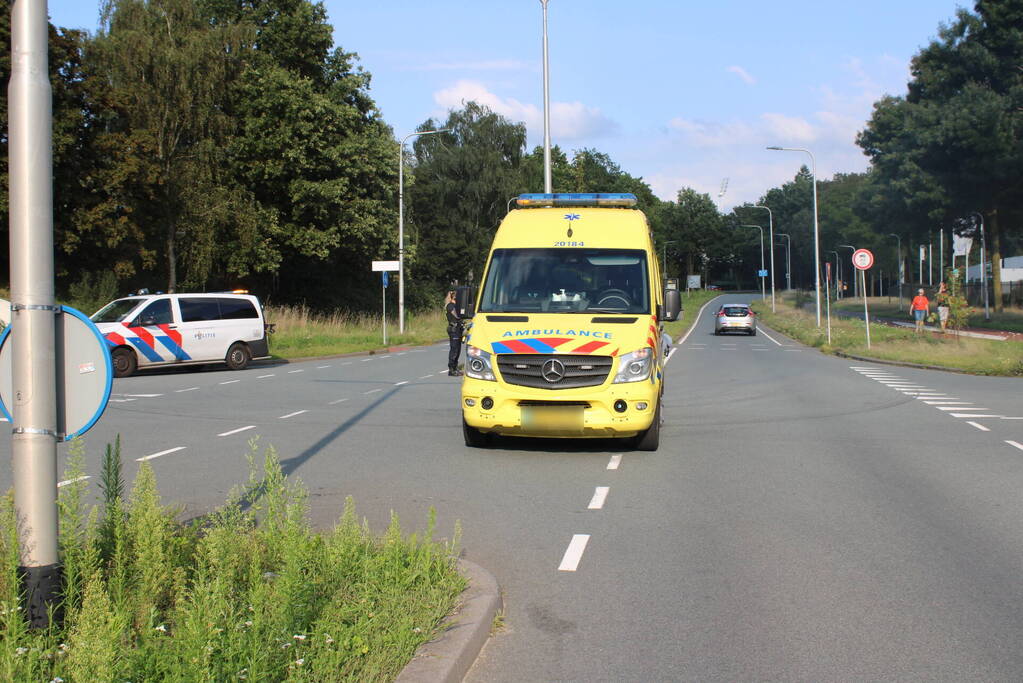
x: 651, y: 438
x: 124, y: 361
x: 474, y: 438
x: 238, y: 356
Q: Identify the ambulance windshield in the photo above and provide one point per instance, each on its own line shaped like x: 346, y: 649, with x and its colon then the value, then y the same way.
x: 567, y: 281
x: 115, y: 311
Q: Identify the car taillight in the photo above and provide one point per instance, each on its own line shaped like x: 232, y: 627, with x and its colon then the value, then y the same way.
x: 721, y: 314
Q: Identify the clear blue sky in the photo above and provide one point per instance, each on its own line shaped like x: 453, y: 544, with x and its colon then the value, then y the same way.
x: 678, y: 93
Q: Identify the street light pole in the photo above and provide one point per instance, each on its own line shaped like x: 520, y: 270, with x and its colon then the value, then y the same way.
x: 788, y: 260
x: 983, y: 266
x: 770, y: 219
x: 849, y: 246
x: 547, y: 185
x: 401, y: 224
x: 898, y: 260
x: 763, y: 291
x: 816, y: 226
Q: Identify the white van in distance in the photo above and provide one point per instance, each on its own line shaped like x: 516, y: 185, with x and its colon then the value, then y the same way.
x: 153, y: 330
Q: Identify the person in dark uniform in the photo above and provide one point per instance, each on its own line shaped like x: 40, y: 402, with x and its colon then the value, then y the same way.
x: 454, y: 334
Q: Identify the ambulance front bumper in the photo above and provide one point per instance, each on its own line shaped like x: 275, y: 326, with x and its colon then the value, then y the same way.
x: 590, y: 412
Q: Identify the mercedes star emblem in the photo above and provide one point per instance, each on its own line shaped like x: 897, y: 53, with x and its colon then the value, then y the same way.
x: 553, y: 370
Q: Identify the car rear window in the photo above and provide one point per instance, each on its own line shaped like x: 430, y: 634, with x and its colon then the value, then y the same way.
x: 237, y: 309
x: 736, y: 311
x: 210, y: 308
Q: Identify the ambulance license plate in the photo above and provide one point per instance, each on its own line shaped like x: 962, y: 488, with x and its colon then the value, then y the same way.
x: 553, y: 418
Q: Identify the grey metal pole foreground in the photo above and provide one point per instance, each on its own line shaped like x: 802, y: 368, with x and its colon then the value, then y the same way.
x: 401, y: 224
x: 547, y: 185
x: 763, y: 292
x: 816, y: 226
x: 788, y: 260
x: 770, y: 219
x: 983, y: 266
x: 898, y: 260
x: 32, y: 309
x: 849, y: 246
x: 838, y: 274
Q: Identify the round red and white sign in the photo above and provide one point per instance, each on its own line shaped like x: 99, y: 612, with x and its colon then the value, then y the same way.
x: 863, y: 259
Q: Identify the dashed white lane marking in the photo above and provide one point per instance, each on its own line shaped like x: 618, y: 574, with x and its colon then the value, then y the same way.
x: 265, y: 376
x: 157, y: 455
x: 796, y: 350
x: 946, y: 402
x: 970, y: 415
x: 292, y: 372
x: 599, y: 497
x: 574, y: 553
x: 387, y: 356
x: 402, y: 353
x: 371, y: 391
x: 365, y: 360
x: 181, y: 391
x: 1016, y: 444
x: 398, y: 384
x: 142, y: 395
x: 231, y: 381
x: 426, y: 376
x: 334, y: 403
x: 121, y: 400
x: 68, y: 482
x: 322, y: 367
x: 297, y: 412
x: 235, y: 431
x: 978, y: 426
x: 616, y: 460
x: 959, y: 408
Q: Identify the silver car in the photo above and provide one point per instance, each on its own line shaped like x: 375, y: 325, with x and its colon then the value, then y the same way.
x: 735, y: 318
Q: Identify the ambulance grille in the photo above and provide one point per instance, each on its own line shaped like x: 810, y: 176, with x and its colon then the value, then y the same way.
x: 567, y: 371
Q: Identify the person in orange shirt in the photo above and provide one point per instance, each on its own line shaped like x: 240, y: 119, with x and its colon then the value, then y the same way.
x: 920, y: 308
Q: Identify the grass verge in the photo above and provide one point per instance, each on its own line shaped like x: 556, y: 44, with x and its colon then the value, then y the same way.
x: 977, y: 356
x: 691, y: 304
x: 1011, y: 319
x: 250, y: 593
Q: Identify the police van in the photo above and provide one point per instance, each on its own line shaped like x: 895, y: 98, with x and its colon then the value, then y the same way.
x: 565, y: 334
x: 154, y: 330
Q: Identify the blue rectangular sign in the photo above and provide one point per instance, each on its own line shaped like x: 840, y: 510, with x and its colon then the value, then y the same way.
x: 761, y: 273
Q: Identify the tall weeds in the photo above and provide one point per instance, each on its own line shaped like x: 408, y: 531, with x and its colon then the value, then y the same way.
x: 252, y: 592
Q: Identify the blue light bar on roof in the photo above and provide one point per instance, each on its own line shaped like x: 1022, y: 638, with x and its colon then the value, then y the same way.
x: 622, y: 199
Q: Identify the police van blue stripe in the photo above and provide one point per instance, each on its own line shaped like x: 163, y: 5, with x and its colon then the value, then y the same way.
x: 145, y: 350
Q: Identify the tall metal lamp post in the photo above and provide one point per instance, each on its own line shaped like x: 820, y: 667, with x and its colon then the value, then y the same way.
x: 983, y: 265
x: 816, y: 227
x: 788, y: 260
x: 770, y: 220
x: 401, y: 224
x: 898, y: 262
x: 763, y: 291
x: 546, y: 108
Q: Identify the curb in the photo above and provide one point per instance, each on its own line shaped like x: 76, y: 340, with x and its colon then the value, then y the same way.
x: 448, y: 657
x: 907, y: 364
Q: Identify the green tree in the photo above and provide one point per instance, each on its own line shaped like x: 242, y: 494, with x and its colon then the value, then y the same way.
x: 693, y: 223
x: 462, y: 182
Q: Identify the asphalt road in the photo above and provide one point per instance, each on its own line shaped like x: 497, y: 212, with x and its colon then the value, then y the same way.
x: 806, y: 517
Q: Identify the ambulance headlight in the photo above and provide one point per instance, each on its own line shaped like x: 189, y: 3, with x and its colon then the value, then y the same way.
x: 477, y: 364
x: 635, y: 366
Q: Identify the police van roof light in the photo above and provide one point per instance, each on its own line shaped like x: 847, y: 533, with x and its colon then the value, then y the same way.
x: 619, y: 199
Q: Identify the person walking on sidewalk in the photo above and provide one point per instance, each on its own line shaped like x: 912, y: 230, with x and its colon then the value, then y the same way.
x: 920, y: 308
x: 943, y: 308
x: 454, y: 334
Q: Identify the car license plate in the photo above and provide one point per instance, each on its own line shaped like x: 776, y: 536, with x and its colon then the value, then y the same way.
x: 553, y: 418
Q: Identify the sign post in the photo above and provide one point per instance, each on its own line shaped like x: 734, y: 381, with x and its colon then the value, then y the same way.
x: 383, y: 267
x: 863, y: 259
x: 827, y: 295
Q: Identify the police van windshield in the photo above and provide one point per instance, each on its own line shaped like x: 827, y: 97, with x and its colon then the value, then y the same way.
x: 567, y: 281
x: 115, y: 311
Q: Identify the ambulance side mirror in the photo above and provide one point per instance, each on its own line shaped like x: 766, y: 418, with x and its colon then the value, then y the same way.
x: 672, y: 309
x: 465, y: 298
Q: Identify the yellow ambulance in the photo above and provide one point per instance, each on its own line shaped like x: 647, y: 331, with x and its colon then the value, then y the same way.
x: 564, y: 339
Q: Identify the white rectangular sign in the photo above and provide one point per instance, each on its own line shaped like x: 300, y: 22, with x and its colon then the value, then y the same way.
x: 385, y: 265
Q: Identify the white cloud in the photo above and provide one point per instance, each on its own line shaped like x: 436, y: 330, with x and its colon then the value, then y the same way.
x: 788, y: 129
x: 569, y: 120
x: 714, y: 134
x: 743, y: 74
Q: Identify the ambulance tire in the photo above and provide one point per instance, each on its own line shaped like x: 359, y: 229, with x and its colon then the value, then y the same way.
x: 474, y: 438
x: 238, y: 356
x: 650, y: 439
x: 125, y: 362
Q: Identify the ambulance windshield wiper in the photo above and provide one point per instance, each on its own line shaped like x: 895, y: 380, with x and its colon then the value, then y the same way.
x: 599, y: 309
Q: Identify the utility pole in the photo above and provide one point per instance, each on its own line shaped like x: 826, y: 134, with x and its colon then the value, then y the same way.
x: 33, y: 309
